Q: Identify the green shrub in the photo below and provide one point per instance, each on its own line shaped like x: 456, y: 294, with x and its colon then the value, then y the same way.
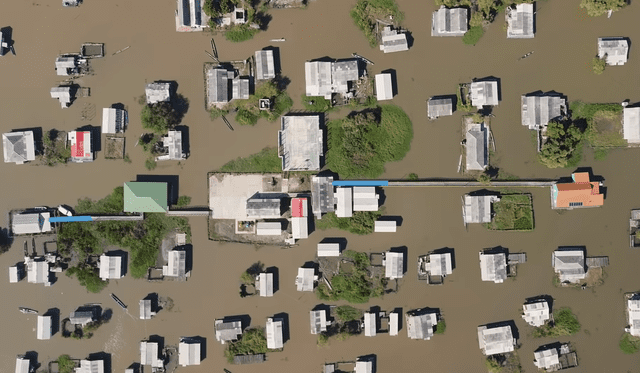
x: 629, y: 344
x: 597, y: 8
x: 599, y: 65
x: 183, y: 201
x: 265, y: 161
x: 316, y: 104
x: 323, y: 340
x: 473, y: 35
x: 240, y: 33
x: 159, y: 117
x: 362, y: 222
x: 365, y: 12
x: 88, y: 277
x: 565, y: 323
x: 355, y: 285
x: 246, y: 118
x: 563, y: 147
x: 215, y: 112
x: 150, y: 164
x: 441, y: 327
x: 246, y: 278
x: 413, y: 176
x: 65, y: 364
x: 252, y: 342
x: 348, y: 313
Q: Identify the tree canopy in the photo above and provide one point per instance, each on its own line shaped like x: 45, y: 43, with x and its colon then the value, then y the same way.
x: 159, y: 117
x: 563, y: 146
x: 597, y: 8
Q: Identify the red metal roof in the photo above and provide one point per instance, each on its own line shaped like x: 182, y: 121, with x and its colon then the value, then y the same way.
x: 297, y: 207
x: 77, y: 148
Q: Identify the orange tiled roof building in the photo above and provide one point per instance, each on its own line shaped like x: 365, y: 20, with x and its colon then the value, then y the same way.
x: 580, y: 193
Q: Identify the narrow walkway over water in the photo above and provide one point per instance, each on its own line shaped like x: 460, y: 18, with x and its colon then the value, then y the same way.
x: 448, y: 183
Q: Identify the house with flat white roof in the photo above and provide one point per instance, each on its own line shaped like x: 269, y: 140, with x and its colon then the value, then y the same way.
x: 494, y: 340
x: 265, y: 66
x: 274, y: 333
x: 90, y: 366
x: 150, y: 355
x: 324, y: 78
x: 630, y: 124
x: 384, y: 87
x: 306, y: 279
x: 370, y: 324
x: 63, y: 94
x: 393, y: 41
x: 228, y: 331
x: 264, y: 284
x: 520, y: 21
x: 176, y: 264
x: 477, y: 147
x: 484, y: 93
x: 157, y: 92
x: 172, y: 147
x: 477, y: 209
x: 449, y: 22
x: 30, y: 223
x: 615, y: 51
x: 547, y: 359
x: 633, y: 313
x: 188, y: 352
x: 420, y: 325
x: 393, y: 265
x: 113, y: 120
x: 15, y: 273
x: 44, y: 327
x: 264, y: 228
x: 569, y: 265
x: 328, y: 249
x: 23, y: 364
x: 536, y: 313
x: 300, y: 142
x: 363, y: 366
x: 319, y: 321
x: 394, y: 323
x: 344, y: 202
x: 18, y: 147
x: 493, y: 267
x: 440, y: 264
x: 37, y: 271
x: 81, y: 146
x: 384, y: 226
x: 439, y: 107
x: 110, y: 267
x: 146, y: 311
x: 538, y: 109
x: 365, y: 198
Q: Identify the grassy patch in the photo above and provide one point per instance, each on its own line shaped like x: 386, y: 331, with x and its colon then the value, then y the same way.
x: 597, y: 8
x: 88, y: 277
x: 365, y: 13
x: 629, y: 344
x: 603, y: 125
x: 240, y: 33
x: 565, y: 323
x: 362, y: 222
x: 265, y: 161
x: 492, y: 365
x: 316, y: 104
x: 360, y: 145
x: 473, y: 35
x: 55, y: 148
x: 348, y: 313
x: 441, y: 327
x: 413, y: 176
x: 65, y: 364
x: 183, y: 201
x: 354, y: 286
x: 249, y: 110
x: 513, y: 212
x: 323, y: 340
x: 252, y: 342
x: 463, y: 91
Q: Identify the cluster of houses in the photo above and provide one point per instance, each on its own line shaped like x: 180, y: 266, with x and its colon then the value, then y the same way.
x: 363, y: 364
x: 172, y: 143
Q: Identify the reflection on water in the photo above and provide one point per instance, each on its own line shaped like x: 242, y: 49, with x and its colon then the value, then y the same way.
x: 564, y: 44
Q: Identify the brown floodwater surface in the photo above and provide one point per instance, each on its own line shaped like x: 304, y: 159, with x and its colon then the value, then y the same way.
x: 564, y: 44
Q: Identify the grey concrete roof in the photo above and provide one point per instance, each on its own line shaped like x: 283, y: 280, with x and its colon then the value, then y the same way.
x: 477, y: 209
x: 616, y: 50
x: 493, y: 267
x: 631, y: 125
x: 263, y: 207
x: 477, y: 155
x: 394, y: 265
x: 547, y: 359
x: 495, y: 340
x: 421, y: 326
x: 18, y: 147
x: 265, y: 67
x: 539, y: 109
x: 536, y: 313
x: 449, y: 22
x: 393, y: 41
x: 520, y: 21
x: 322, y: 199
x: 484, y: 93
x: 439, y: 107
x: 157, y: 92
x: 176, y: 264
x: 218, y: 85
x: 300, y: 143
x: 228, y: 331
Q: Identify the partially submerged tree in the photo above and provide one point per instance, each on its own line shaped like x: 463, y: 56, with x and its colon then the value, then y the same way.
x: 597, y: 8
x: 159, y: 117
x: 598, y: 65
x: 562, y: 146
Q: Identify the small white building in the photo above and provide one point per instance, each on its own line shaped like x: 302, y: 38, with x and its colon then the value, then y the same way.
x: 300, y: 143
x: 37, y: 271
x: 547, y: 359
x: 328, y: 249
x: 275, y: 339
x: 265, y: 66
x: 15, y: 274
x: 569, y: 265
x: 520, y: 21
x: 440, y: 264
x: 633, y: 311
x: 90, y: 366
x: 63, y: 94
x: 420, y: 326
x: 384, y: 226
x: 493, y: 267
x: 44, y: 327
x: 145, y: 309
x: 614, y: 50
x: 393, y: 40
x: 496, y: 340
x: 477, y: 147
x: 158, y: 92
x: 394, y: 323
x: 477, y: 209
x: 344, y: 202
x: 439, y: 107
x: 536, y: 313
x: 364, y: 366
x: 113, y: 120
x: 188, y: 352
x: 31, y: 223
x: 81, y: 146
x: 384, y: 87
x: 370, y: 324
x: 18, y: 147
x: 306, y: 279
x: 150, y: 355
x: 228, y: 331
x: 23, y: 365
x: 393, y: 265
x: 264, y: 283
x: 172, y: 147
x: 630, y: 125
x: 319, y: 321
x: 449, y: 22
x: 110, y: 267
x: 538, y: 109
x: 484, y: 93
x: 264, y: 228
x: 176, y: 264
x: 365, y: 198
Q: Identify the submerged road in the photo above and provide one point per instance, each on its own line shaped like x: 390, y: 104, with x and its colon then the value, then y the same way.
x: 448, y: 183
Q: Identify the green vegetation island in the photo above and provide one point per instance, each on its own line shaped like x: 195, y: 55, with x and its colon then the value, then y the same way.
x: 366, y: 12
x: 514, y: 212
x: 564, y: 323
x: 248, y: 111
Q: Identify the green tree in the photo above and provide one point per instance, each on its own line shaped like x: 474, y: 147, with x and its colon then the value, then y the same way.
x: 88, y: 277
x: 597, y: 8
x: 562, y: 148
x: 598, y: 65
x: 159, y: 117
x: 65, y: 364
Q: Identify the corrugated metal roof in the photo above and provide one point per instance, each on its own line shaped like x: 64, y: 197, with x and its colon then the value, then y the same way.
x: 305, y: 279
x: 394, y: 265
x: 274, y: 333
x: 218, y: 85
x: 157, y: 92
x: 439, y: 107
x: 322, y: 199
x: 44, y: 327
x: 318, y: 321
x: 265, y: 284
x: 538, y: 110
x: 520, y: 21
x: 344, y: 204
x: 493, y: 267
x: 188, y: 353
x: 477, y: 155
x: 265, y: 67
x: 449, y: 22
x: 110, y: 267
x: 18, y: 147
x: 484, y: 93
x: 300, y: 142
x: 328, y: 249
x: 370, y: 324
x: 268, y: 228
x: 384, y: 87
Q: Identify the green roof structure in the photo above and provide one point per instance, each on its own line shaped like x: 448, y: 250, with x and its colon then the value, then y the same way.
x: 145, y: 197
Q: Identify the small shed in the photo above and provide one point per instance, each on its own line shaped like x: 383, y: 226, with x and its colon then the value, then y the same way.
x: 150, y: 354
x: 18, y: 147
x: 264, y: 283
x: 145, y: 309
x: 240, y: 89
x: 493, y: 267
x: 484, y: 93
x: 370, y: 324
x: 439, y: 107
x: 328, y: 249
x: 394, y: 323
x: 322, y: 198
x: 44, y: 327
x: 110, y: 267
x: 23, y: 365
x: 228, y: 331
x: 37, y: 271
x: 384, y: 87
x: 477, y: 147
x: 393, y: 41
x: 172, y: 147
x: 449, y: 22
x: 15, y: 274
x: 614, y: 50
x: 157, y: 92
x: 81, y: 146
x: 520, y: 21
x: 30, y: 223
x: 365, y: 199
x: 384, y: 226
x: 496, y: 339
x: 265, y: 66
x: 306, y: 279
x: 477, y: 209
x: 90, y: 366
x: 536, y: 313
x: 113, y: 120
x: 189, y: 352
x: 264, y: 228
x: 393, y: 265
x: 420, y: 326
x: 318, y: 321
x: 364, y: 366
x: 63, y: 94
x: 344, y: 202
x: 630, y: 125
x: 274, y: 333
x: 176, y: 264
x: 146, y: 197
x: 569, y: 265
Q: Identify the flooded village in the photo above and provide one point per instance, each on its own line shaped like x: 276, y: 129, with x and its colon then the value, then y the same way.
x: 159, y: 247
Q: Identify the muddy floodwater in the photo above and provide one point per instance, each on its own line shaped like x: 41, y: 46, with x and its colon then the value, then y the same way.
x: 564, y: 44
